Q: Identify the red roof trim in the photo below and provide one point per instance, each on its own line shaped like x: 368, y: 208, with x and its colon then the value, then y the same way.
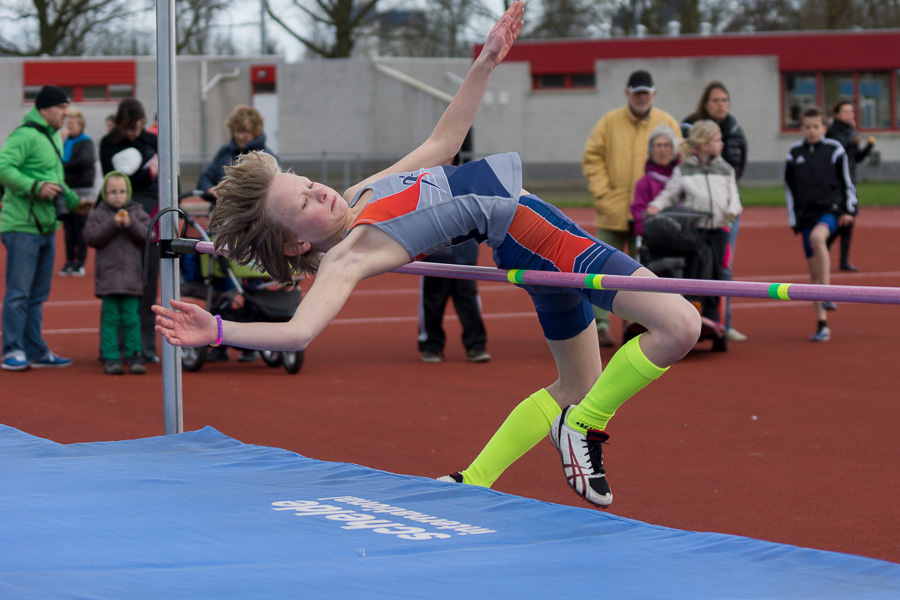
x: 80, y: 72
x: 796, y: 51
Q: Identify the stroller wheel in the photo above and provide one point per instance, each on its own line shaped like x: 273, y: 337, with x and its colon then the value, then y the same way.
x: 271, y: 357
x: 292, y: 361
x: 192, y: 359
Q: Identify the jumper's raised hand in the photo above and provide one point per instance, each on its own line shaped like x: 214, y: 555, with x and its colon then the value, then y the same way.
x: 186, y: 325
x: 504, y: 34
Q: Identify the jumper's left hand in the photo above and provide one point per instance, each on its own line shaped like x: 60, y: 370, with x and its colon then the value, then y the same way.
x: 845, y: 220
x: 504, y: 34
x: 185, y: 324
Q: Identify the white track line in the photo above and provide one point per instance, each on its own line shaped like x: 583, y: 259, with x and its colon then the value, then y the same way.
x: 487, y: 316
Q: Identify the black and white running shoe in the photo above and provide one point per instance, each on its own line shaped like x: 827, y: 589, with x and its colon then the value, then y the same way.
x: 582, y: 460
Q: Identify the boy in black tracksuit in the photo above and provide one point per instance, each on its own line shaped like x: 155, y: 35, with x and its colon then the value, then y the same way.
x: 820, y: 197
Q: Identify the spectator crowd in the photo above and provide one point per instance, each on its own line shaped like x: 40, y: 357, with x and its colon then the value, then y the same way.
x: 638, y: 160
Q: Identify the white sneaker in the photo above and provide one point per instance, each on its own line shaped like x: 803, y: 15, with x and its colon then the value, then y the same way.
x: 822, y: 335
x: 582, y: 460
x: 733, y: 335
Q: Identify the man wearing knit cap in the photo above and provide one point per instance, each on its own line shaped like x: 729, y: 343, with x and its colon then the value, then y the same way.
x: 613, y: 161
x: 31, y: 171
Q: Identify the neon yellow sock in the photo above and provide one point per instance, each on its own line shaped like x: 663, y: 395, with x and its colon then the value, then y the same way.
x: 525, y: 426
x: 628, y: 371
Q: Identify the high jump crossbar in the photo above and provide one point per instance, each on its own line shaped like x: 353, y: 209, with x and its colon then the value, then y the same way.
x: 691, y: 287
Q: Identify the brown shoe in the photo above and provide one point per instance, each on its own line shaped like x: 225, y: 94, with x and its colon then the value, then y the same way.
x: 606, y: 340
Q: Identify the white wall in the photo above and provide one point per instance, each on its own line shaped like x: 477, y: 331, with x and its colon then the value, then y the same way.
x: 348, y: 107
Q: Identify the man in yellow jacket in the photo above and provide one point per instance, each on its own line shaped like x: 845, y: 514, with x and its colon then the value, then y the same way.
x: 614, y: 159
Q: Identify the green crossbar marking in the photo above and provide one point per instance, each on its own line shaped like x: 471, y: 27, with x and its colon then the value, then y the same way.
x: 515, y: 275
x: 593, y: 282
x: 779, y: 291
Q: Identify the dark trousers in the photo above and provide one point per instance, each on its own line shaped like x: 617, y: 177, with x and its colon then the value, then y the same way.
x: 148, y: 299
x: 433, y: 298
x: 150, y: 204
x: 76, y: 247
x: 845, y: 233
x: 145, y: 313
x: 709, y: 263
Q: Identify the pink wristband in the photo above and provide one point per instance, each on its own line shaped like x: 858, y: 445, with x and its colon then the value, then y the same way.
x: 218, y: 341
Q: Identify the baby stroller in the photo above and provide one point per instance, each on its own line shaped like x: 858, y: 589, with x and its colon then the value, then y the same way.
x: 672, y: 242
x: 251, y: 296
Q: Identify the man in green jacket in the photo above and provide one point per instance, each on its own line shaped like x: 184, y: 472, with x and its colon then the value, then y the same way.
x: 31, y: 171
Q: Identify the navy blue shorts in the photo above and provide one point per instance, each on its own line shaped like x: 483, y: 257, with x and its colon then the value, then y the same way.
x: 542, y: 238
x: 829, y: 220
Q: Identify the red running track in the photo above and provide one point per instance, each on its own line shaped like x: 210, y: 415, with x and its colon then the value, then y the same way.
x: 778, y: 439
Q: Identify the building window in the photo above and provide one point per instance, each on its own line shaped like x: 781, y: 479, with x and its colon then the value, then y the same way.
x: 871, y: 92
x: 563, y: 81
x: 837, y: 87
x: 874, y: 109
x: 583, y: 80
x: 87, y: 93
x: 117, y: 92
x: 801, y: 91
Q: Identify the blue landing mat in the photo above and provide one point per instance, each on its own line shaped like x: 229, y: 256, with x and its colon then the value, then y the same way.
x: 201, y: 515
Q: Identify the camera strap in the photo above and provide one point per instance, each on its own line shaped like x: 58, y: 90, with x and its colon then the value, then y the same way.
x: 43, y: 130
x: 46, y: 133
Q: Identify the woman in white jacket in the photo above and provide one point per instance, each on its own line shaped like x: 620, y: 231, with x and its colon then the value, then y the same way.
x: 707, y: 184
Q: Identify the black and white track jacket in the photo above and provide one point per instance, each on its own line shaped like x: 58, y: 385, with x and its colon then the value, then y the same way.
x: 817, y: 181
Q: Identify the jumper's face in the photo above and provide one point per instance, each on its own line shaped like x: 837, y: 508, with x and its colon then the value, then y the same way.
x: 315, y: 213
x: 116, y: 192
x: 55, y: 115
x: 813, y: 129
x: 661, y: 150
x: 717, y: 105
x: 846, y: 114
x: 640, y: 102
x: 714, y: 146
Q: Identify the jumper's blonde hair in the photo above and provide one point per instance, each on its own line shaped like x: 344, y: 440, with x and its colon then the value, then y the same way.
x: 241, y: 221
x: 702, y: 132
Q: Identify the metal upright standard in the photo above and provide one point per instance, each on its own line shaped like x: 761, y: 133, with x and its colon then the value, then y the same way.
x: 168, y: 197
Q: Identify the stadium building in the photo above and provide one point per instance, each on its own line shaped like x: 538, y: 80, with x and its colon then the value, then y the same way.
x: 338, y: 119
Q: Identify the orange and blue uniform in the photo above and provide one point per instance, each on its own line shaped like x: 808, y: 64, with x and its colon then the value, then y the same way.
x: 431, y: 209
